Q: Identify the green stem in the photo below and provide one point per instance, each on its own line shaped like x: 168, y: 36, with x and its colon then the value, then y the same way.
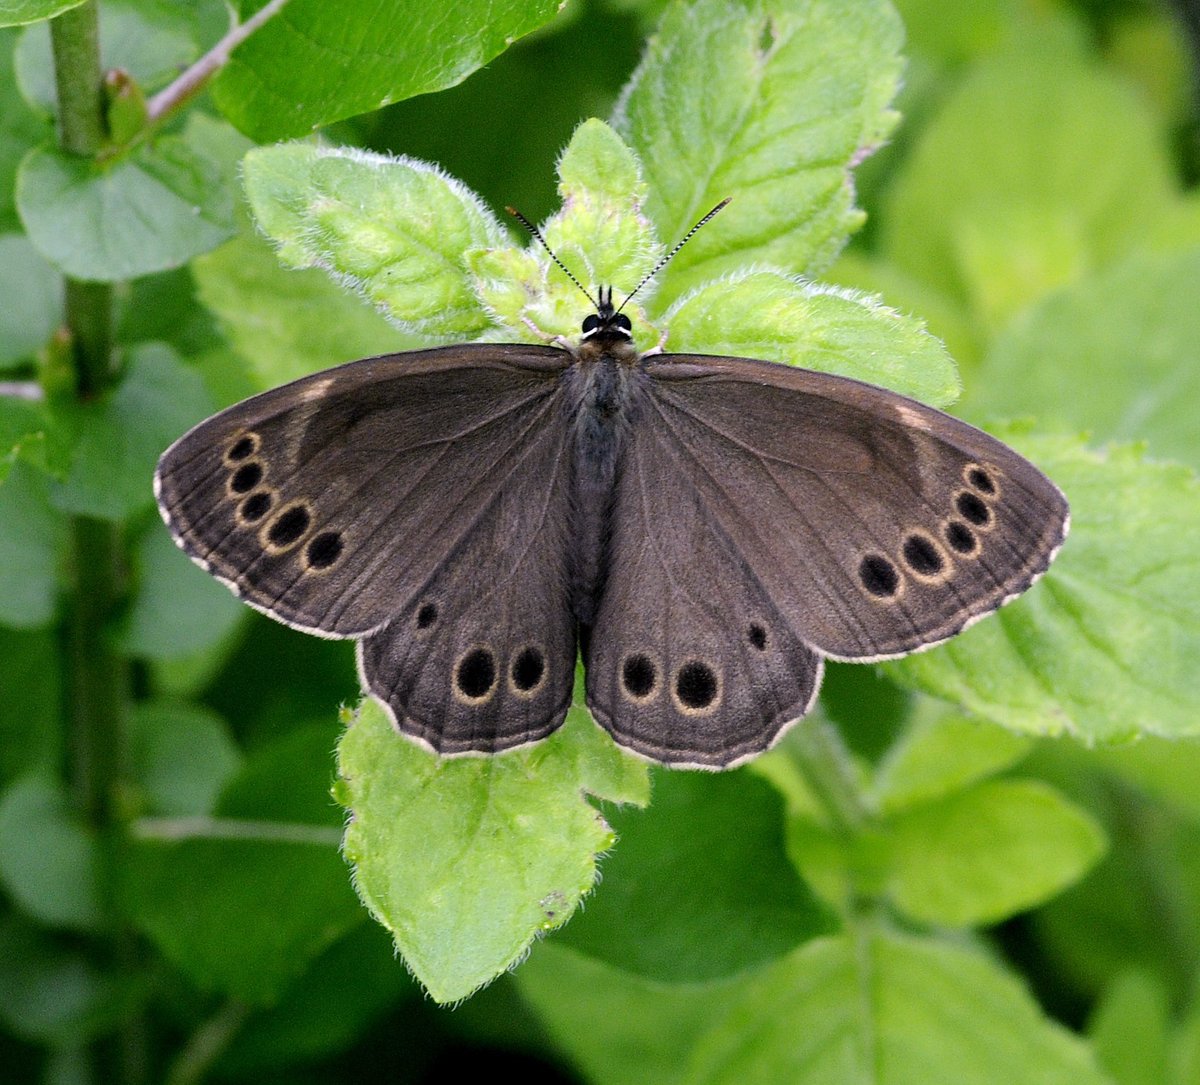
x: 828, y: 769
x: 207, y: 1044
x: 99, y: 682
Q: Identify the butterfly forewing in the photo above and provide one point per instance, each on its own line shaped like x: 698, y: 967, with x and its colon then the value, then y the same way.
x: 876, y: 525
x: 404, y: 494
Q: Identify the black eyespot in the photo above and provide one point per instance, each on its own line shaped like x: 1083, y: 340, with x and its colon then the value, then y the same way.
x: 243, y: 447
x: 922, y: 556
x: 256, y: 506
x: 757, y: 636
x: 960, y: 537
x: 325, y: 549
x: 878, y: 575
x: 973, y: 509
x: 696, y: 684
x: 289, y: 526
x: 246, y: 477
x: 527, y: 669
x: 426, y: 616
x: 981, y: 480
x: 620, y: 320
x: 590, y: 323
x: 639, y: 676
x: 476, y: 673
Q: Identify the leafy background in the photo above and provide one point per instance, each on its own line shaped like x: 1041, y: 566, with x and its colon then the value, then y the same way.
x: 979, y: 864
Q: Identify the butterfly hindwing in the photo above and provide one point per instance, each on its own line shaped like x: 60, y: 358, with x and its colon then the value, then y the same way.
x: 400, y: 497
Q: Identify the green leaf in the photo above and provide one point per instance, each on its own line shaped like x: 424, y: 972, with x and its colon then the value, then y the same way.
x: 292, y: 74
x: 286, y: 323
x: 1108, y: 645
x: 48, y: 992
x: 941, y: 752
x: 32, y: 292
x: 467, y: 860
x: 700, y: 885
x: 155, y: 208
x: 151, y: 40
x: 394, y: 229
x: 23, y: 429
x: 241, y: 902
x: 1136, y: 325
x: 887, y: 1008
x: 768, y: 315
x: 18, y: 12
x: 33, y: 536
x: 118, y: 439
x: 20, y: 130
x: 49, y: 862
x: 30, y: 700
x: 1035, y: 170
x: 1130, y: 1028
x: 771, y: 103
x: 178, y: 609
x: 981, y: 855
x: 180, y: 757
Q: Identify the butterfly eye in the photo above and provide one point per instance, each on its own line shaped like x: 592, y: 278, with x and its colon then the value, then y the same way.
x: 324, y: 549
x: 622, y: 321
x: 426, y: 616
x: 960, y: 537
x: 475, y: 675
x: 697, y: 688
x: 590, y: 323
x: 757, y: 636
x: 979, y: 479
x: 246, y: 477
x: 922, y: 556
x: 639, y: 676
x: 973, y: 509
x: 528, y: 670
x: 879, y: 576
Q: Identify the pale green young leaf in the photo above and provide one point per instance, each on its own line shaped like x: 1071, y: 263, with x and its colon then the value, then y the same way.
x: 885, y: 1007
x: 771, y: 103
x: 467, y: 860
x: 1107, y: 646
x: 33, y: 536
x: 49, y: 858
x: 940, y: 752
x: 243, y: 900
x: 116, y: 441
x: 1130, y: 1029
x: 181, y: 756
x: 284, y: 323
x: 1030, y: 174
x: 178, y: 609
x: 978, y: 856
x: 19, y: 12
x: 1114, y: 354
x: 152, y: 209
x: 766, y: 314
x: 24, y: 427
x: 20, y: 130
x: 292, y: 74
x: 393, y: 229
x: 32, y: 293
x: 700, y: 885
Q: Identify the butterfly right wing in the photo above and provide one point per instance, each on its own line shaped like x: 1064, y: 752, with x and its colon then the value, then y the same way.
x: 418, y: 501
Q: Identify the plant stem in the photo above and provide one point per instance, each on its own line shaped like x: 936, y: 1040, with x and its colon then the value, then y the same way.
x: 207, y: 1044
x: 825, y: 763
x: 99, y: 677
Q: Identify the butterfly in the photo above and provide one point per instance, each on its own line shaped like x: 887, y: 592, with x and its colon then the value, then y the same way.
x: 703, y: 531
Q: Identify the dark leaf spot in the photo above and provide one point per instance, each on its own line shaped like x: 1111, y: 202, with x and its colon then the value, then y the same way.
x: 256, y: 506
x: 878, y: 575
x: 325, y: 549
x: 426, y: 616
x: 476, y: 673
x: 289, y: 526
x: 639, y: 675
x: 696, y: 684
x: 244, y: 446
x: 981, y: 480
x: 973, y: 509
x: 922, y: 556
x: 246, y: 477
x: 960, y: 537
x: 527, y: 669
x: 757, y: 636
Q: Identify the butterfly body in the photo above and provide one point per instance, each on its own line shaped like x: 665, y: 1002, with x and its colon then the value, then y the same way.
x: 706, y: 530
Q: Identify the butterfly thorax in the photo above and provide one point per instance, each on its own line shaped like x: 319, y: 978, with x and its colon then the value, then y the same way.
x: 603, y: 389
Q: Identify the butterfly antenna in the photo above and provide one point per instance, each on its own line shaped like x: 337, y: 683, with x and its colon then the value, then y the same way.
x: 566, y: 270
x: 671, y: 255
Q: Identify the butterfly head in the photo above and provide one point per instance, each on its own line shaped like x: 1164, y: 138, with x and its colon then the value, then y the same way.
x: 607, y: 323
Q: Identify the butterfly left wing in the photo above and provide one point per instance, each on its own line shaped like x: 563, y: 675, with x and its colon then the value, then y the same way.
x: 418, y: 501
x: 837, y: 518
